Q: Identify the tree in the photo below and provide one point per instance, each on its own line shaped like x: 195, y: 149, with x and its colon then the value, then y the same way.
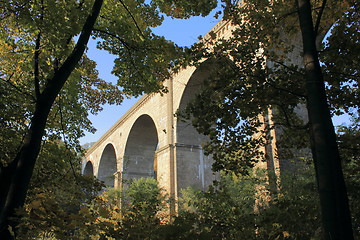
x: 261, y: 67
x: 139, y: 216
x: 348, y: 138
x: 57, y: 195
x: 331, y: 184
x: 226, y: 211
x: 43, y: 70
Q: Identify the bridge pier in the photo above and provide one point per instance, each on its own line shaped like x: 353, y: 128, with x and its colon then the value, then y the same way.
x: 193, y: 167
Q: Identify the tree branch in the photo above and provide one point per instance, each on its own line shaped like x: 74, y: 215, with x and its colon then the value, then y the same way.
x: 286, y: 15
x: 36, y: 66
x: 342, y: 74
x: 287, y: 119
x: 318, y: 19
x: 115, y: 36
x: 132, y: 17
x: 55, y: 83
x: 36, y: 56
x: 17, y: 88
x: 127, y: 47
x: 65, y: 141
x: 287, y: 67
x: 286, y: 90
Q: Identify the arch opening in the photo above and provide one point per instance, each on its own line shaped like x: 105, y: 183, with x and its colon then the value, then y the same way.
x: 185, y: 132
x: 193, y: 167
x: 107, y: 166
x: 89, y: 169
x: 139, y: 157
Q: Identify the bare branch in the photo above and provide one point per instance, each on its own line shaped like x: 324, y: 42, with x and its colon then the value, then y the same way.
x: 318, y: 19
x: 287, y: 119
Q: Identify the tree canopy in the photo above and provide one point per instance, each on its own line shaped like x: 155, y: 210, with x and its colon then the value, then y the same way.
x: 275, y: 72
x: 48, y: 85
x: 260, y: 67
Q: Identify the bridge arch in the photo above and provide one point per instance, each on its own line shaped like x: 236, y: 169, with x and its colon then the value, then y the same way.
x: 89, y: 169
x: 107, y: 165
x: 191, y: 162
x: 139, y: 156
x: 185, y: 132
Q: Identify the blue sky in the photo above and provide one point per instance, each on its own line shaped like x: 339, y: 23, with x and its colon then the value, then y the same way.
x: 184, y: 32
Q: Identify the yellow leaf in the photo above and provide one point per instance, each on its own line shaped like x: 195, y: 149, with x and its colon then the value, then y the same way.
x: 36, y: 204
x: 286, y: 234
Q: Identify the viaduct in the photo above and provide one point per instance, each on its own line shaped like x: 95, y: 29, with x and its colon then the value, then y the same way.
x: 150, y: 141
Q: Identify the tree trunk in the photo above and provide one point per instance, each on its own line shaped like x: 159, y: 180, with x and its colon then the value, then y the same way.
x: 16, y: 178
x: 331, y: 186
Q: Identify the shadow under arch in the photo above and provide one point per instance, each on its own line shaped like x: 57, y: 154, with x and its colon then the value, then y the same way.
x: 89, y: 169
x: 193, y: 167
x: 185, y: 132
x: 107, y: 166
x: 139, y: 156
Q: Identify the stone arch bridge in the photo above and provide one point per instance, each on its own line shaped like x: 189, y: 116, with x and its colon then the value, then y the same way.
x: 149, y: 141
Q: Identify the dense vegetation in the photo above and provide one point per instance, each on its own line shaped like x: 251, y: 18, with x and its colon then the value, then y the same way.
x: 230, y: 209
